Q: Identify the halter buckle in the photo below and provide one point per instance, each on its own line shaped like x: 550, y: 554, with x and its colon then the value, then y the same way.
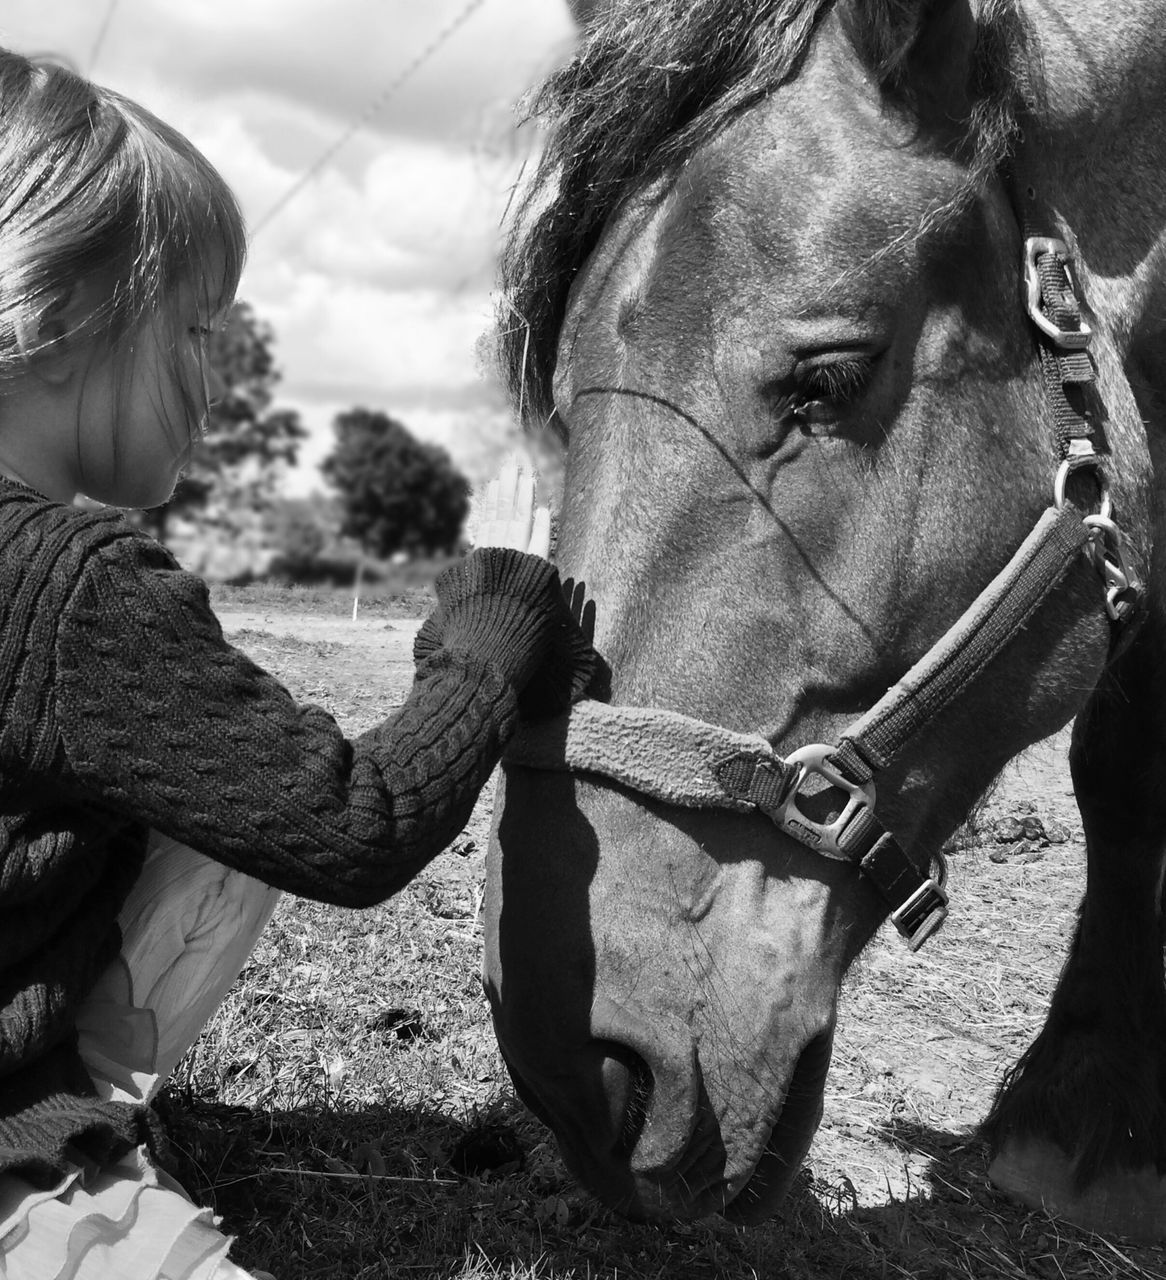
x: 922, y: 914
x: 822, y: 837
x: 1036, y: 247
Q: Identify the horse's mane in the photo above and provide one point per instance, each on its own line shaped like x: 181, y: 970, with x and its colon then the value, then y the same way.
x: 650, y: 82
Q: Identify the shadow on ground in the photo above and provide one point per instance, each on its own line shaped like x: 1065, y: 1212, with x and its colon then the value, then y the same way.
x: 390, y: 1191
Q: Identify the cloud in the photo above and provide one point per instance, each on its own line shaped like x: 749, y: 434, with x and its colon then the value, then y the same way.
x: 419, y: 214
x: 339, y: 58
x: 364, y: 337
x: 333, y: 57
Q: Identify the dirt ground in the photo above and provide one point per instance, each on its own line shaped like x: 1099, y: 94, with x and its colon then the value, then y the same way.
x: 352, y: 668
x: 362, y: 643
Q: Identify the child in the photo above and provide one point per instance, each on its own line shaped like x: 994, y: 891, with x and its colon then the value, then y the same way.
x: 131, y: 734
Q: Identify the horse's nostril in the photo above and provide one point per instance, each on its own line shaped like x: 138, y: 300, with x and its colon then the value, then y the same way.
x: 627, y: 1086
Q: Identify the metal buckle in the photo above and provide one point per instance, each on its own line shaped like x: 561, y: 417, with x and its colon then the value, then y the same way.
x: 1106, y: 543
x: 822, y: 837
x: 1122, y: 584
x: 922, y: 914
x: 1034, y: 248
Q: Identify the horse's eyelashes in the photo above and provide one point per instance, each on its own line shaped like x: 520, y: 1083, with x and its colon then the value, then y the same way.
x: 819, y: 395
x: 840, y: 379
x: 828, y: 389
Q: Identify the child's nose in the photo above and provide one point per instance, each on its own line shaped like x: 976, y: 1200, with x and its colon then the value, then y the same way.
x: 216, y: 388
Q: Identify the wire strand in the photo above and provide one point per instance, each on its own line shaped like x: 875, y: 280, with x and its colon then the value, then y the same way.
x: 102, y: 32
x: 375, y: 106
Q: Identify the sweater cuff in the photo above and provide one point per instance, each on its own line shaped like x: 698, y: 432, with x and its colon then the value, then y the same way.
x: 502, y: 606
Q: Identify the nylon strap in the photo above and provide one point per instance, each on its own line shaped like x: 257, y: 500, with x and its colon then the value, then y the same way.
x: 992, y: 620
x: 1068, y: 376
x: 917, y: 903
x: 1067, y: 370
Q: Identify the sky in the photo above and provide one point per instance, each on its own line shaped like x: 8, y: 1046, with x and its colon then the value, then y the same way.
x: 376, y: 275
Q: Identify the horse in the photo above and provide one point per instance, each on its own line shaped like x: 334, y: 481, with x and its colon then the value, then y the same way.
x: 837, y: 308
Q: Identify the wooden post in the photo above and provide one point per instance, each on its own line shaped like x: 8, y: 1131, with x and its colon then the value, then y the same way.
x: 356, y: 586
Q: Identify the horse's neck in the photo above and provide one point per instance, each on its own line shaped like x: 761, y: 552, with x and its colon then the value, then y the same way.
x: 1101, y: 151
x: 1101, y: 61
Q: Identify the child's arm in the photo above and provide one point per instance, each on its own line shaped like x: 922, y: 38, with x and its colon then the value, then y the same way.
x: 161, y: 720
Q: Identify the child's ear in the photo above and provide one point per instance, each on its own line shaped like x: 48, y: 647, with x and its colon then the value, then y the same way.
x: 48, y: 338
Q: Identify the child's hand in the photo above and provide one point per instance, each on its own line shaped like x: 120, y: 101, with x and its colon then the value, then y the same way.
x: 506, y: 515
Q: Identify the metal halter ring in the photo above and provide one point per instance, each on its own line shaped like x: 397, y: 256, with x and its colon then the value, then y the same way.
x: 1079, y: 463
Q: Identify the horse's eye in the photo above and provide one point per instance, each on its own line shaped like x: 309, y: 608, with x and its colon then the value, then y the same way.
x: 825, y: 387
x: 825, y: 394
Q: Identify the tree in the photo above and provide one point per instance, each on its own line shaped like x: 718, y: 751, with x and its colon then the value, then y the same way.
x: 300, y: 530
x: 397, y: 494
x: 236, y: 465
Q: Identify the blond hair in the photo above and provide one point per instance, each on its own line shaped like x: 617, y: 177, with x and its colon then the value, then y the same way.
x: 95, y: 189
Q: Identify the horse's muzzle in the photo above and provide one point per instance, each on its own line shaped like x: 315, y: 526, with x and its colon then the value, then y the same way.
x: 635, y: 1125
x: 790, y: 1138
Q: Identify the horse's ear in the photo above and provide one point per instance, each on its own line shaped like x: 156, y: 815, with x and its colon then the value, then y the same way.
x: 921, y: 50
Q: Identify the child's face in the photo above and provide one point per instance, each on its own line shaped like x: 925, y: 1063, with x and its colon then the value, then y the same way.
x: 135, y: 433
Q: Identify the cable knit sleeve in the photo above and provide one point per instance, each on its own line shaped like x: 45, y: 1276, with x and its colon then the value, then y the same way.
x: 162, y: 720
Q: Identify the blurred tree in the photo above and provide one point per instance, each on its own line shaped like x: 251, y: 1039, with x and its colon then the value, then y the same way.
x: 236, y: 465
x: 397, y: 494
x: 300, y: 530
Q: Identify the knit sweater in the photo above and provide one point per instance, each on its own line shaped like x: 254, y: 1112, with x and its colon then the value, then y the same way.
x: 122, y: 708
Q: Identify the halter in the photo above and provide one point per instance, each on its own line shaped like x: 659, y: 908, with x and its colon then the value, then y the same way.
x: 693, y: 764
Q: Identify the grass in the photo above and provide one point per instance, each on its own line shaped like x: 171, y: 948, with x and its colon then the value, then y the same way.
x: 348, y: 1114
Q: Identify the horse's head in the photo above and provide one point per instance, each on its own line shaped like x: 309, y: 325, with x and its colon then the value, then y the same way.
x: 806, y: 426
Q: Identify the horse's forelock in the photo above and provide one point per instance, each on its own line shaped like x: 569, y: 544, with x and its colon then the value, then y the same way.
x: 651, y: 81
x: 584, y: 10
